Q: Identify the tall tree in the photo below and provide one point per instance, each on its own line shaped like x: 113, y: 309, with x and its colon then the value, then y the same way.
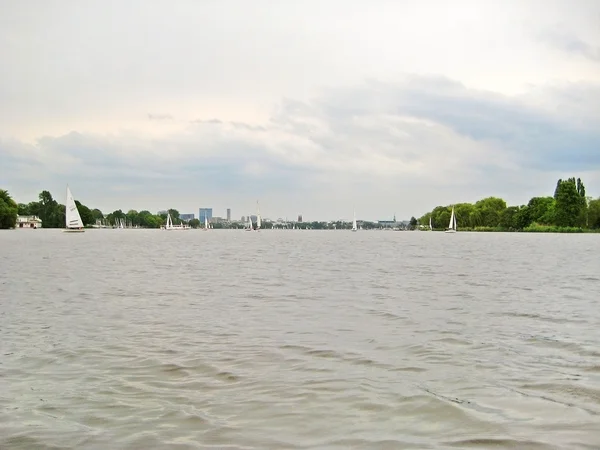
x: 594, y: 213
x: 49, y: 212
x: 8, y: 211
x: 569, y: 203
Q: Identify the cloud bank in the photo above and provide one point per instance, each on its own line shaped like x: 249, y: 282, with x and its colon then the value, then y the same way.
x: 381, y: 132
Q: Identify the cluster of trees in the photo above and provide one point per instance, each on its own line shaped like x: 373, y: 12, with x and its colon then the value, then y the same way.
x: 145, y: 219
x: 569, y: 209
x: 52, y: 213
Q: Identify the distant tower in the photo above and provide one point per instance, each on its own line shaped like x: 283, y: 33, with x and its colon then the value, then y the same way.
x: 228, y: 214
x: 299, y: 218
x: 394, y: 217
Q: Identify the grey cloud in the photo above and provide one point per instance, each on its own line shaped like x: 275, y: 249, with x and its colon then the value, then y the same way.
x: 245, y: 126
x: 537, y: 137
x: 570, y: 43
x: 424, y: 133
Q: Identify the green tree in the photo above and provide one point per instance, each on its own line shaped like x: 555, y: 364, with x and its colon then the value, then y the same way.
x: 413, y: 223
x: 24, y: 209
x: 491, y: 209
x: 52, y: 216
x: 8, y: 211
x: 509, y: 218
x: 542, y: 210
x: 97, y: 214
x: 593, y: 217
x: 569, y: 203
x: 174, y: 215
x: 86, y: 214
x: 194, y: 223
x: 467, y: 215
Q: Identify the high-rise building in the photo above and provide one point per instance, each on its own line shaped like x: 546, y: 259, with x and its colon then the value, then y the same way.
x: 228, y: 214
x: 299, y: 217
x: 186, y: 216
x: 204, y: 212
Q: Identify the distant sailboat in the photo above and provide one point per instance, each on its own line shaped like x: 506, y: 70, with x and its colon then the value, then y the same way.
x: 452, y: 225
x: 354, y: 227
x: 205, y: 222
x: 258, y: 218
x: 73, y: 222
x: 169, y: 225
x: 430, y: 226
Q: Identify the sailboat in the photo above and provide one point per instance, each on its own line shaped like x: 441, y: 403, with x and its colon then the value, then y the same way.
x: 73, y: 222
x: 452, y: 225
x: 354, y: 228
x: 249, y: 224
x: 258, y: 219
x: 205, y: 222
x: 430, y: 226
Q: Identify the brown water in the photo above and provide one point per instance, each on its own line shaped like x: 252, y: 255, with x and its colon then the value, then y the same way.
x: 140, y: 339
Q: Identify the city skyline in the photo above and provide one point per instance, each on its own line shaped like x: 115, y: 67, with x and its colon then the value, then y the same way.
x: 430, y: 104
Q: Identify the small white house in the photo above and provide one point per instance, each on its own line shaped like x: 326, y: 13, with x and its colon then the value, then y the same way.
x: 28, y: 222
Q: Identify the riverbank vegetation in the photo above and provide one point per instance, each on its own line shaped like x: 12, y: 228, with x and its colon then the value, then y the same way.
x: 52, y: 214
x: 569, y: 210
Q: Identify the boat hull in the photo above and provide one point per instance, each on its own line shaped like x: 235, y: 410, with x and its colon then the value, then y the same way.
x: 73, y: 230
x: 450, y: 231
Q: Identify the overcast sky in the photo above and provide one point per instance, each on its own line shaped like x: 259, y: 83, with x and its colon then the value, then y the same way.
x: 311, y: 107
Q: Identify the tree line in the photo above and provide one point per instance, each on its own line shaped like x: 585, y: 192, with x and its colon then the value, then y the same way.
x: 568, y: 210
x: 52, y: 213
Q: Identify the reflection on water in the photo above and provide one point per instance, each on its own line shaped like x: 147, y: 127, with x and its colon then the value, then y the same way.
x: 135, y: 339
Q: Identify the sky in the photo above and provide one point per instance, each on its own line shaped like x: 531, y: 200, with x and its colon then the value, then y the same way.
x: 314, y: 107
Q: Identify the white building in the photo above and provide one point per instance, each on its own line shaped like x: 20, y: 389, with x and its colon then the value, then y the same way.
x: 28, y: 222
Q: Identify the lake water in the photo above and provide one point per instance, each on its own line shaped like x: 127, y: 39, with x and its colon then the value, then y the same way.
x: 143, y: 339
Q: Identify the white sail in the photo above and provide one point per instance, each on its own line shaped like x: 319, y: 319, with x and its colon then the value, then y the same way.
x: 72, y: 217
x: 430, y: 226
x: 354, y: 228
x: 452, y: 225
x: 258, y: 219
x: 205, y: 222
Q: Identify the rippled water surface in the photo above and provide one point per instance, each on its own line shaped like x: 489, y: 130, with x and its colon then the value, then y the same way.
x: 140, y: 339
